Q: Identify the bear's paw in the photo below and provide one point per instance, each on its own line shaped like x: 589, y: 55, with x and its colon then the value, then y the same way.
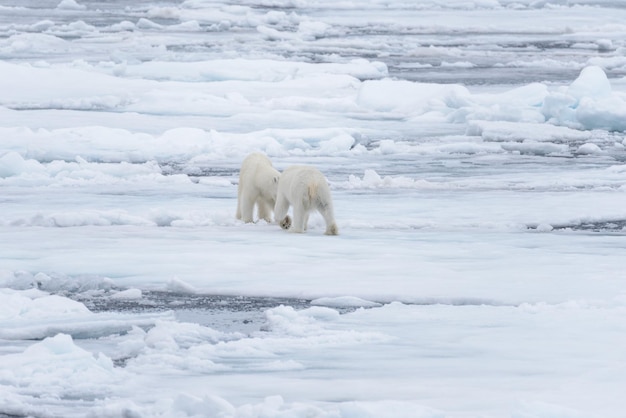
x: 286, y: 223
x: 332, y: 230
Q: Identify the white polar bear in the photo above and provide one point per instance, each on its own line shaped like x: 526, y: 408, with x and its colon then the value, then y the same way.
x: 306, y: 189
x: 258, y: 183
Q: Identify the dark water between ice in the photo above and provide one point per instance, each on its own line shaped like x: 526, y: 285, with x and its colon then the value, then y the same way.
x: 224, y: 313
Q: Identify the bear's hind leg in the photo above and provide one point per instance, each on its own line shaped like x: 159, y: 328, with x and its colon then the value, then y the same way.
x: 327, y: 212
x: 306, y: 220
x: 264, y: 209
x: 238, y: 214
x: 280, y: 211
x: 247, y: 209
x: 299, y: 219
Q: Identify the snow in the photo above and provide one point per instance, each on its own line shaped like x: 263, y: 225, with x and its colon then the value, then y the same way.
x: 70, y: 5
x: 475, y: 151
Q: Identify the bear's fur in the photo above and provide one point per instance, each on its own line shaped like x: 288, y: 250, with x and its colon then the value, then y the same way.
x: 306, y: 189
x: 258, y: 183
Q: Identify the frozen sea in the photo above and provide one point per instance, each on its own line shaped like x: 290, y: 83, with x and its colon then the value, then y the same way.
x: 476, y: 153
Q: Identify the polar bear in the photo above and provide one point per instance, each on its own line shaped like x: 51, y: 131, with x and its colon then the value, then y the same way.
x: 306, y: 189
x: 258, y: 183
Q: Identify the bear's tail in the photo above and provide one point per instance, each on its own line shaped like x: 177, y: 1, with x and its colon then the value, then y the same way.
x: 313, y: 191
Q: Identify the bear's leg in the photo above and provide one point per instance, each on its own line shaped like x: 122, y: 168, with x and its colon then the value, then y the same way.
x: 280, y: 211
x: 247, y: 208
x: 238, y: 214
x: 264, y: 209
x: 327, y: 212
x: 299, y: 218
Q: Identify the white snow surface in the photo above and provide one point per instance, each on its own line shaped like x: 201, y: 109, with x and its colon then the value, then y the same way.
x: 476, y: 154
